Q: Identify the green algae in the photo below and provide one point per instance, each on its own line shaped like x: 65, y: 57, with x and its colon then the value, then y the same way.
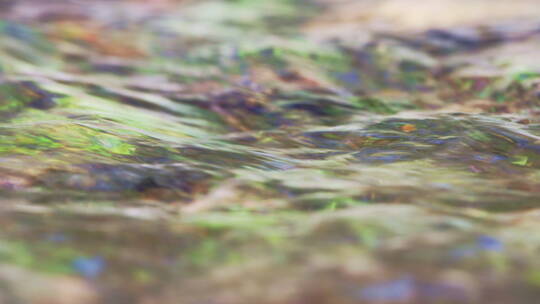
x: 57, y: 259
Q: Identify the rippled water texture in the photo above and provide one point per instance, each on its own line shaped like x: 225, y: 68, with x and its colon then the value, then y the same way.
x: 280, y: 152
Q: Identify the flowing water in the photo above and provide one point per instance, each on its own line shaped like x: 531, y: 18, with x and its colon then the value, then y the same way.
x: 287, y: 151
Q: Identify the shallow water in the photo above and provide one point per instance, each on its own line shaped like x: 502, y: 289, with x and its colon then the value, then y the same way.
x: 268, y: 152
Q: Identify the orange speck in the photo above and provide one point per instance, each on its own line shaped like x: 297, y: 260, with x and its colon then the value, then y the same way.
x: 408, y: 128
